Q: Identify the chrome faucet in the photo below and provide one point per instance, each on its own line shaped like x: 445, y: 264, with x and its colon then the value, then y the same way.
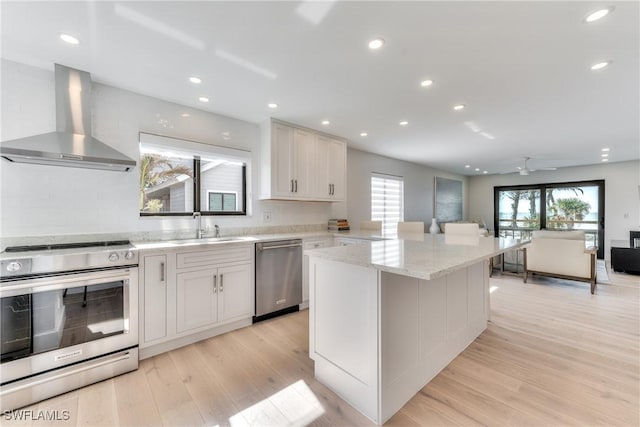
x: 199, y: 230
x: 217, y: 230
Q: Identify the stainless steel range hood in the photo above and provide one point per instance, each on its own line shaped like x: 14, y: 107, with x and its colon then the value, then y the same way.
x: 72, y: 144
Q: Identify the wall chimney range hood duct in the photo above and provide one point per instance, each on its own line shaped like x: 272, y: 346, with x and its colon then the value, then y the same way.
x: 72, y: 144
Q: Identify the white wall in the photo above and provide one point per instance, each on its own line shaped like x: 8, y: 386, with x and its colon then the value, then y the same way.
x: 51, y: 200
x: 622, y: 193
x: 418, y: 187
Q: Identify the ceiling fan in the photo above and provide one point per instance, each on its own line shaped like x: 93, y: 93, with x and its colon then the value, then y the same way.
x: 524, y: 170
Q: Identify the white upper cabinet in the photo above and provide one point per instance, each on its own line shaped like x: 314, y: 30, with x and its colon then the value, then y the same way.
x: 301, y: 164
x: 303, y: 159
x: 331, y: 159
x: 282, y: 174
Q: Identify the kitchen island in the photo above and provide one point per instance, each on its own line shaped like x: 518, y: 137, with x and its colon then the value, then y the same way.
x: 386, y: 316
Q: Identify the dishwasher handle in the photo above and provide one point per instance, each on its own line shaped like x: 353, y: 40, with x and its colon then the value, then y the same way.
x: 263, y: 247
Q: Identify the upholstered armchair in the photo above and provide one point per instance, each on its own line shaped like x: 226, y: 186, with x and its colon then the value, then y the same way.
x: 560, y: 254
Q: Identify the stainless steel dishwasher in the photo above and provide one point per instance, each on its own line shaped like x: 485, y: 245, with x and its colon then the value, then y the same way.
x: 278, y: 278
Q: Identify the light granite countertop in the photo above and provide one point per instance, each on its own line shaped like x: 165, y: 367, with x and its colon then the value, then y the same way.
x: 424, y: 256
x: 156, y: 239
x: 319, y: 234
x: 210, y: 241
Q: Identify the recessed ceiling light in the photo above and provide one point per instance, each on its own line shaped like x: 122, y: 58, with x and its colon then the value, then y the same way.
x: 203, y: 99
x: 426, y: 83
x: 69, y: 39
x: 376, y: 44
x: 272, y: 105
x: 363, y: 134
x: 605, y: 160
x: 194, y: 79
x: 605, y: 149
x: 467, y: 166
x: 604, y: 155
x: 459, y: 107
x: 326, y: 122
x: 186, y: 115
x: 599, y: 14
x: 485, y: 172
x: 477, y: 169
x: 403, y: 123
x: 600, y: 65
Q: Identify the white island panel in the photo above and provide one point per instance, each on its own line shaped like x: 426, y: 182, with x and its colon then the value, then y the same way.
x: 425, y: 325
x: 343, y: 333
x: 387, y: 317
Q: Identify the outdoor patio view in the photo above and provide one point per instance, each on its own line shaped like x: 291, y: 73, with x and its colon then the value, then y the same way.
x: 522, y: 210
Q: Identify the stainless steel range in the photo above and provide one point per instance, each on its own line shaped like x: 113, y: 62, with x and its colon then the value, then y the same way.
x: 69, y: 318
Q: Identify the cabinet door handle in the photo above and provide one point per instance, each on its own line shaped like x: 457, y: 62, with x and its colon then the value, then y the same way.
x: 333, y: 189
x: 292, y: 186
x: 296, y: 182
x: 215, y: 284
x: 221, y: 282
x: 162, y: 271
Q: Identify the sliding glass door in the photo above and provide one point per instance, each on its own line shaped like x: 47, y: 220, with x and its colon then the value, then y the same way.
x: 560, y: 206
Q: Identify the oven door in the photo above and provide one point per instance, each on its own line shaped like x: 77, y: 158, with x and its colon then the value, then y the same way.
x: 51, y: 322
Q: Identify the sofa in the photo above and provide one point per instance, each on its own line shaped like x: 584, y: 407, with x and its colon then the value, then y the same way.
x: 560, y: 254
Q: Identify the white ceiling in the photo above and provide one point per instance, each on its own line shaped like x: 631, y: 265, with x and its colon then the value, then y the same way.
x: 522, y: 69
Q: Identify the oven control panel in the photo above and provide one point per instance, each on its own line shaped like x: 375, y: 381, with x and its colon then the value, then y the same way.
x: 69, y: 260
x: 115, y: 256
x: 13, y: 267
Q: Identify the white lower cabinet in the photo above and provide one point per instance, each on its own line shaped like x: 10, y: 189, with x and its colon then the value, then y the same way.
x: 192, y: 295
x: 235, y: 299
x: 211, y: 296
x: 346, y: 241
x: 154, y: 299
x: 196, y: 299
x: 313, y: 243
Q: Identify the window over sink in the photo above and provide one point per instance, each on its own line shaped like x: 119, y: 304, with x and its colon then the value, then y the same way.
x: 179, y: 177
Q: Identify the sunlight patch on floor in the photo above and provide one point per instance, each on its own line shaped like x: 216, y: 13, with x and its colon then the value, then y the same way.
x: 294, y: 405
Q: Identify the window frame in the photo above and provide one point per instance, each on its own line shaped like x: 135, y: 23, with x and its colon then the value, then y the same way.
x: 198, y: 149
x: 222, y: 193
x: 543, y: 187
x: 388, y: 177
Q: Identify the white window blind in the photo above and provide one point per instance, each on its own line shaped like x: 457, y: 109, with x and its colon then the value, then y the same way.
x: 387, y: 201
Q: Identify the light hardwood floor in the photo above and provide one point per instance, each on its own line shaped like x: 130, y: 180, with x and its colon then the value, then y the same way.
x: 552, y: 355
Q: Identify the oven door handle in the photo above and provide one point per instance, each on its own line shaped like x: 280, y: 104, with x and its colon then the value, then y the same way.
x: 64, y: 282
x: 83, y: 368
